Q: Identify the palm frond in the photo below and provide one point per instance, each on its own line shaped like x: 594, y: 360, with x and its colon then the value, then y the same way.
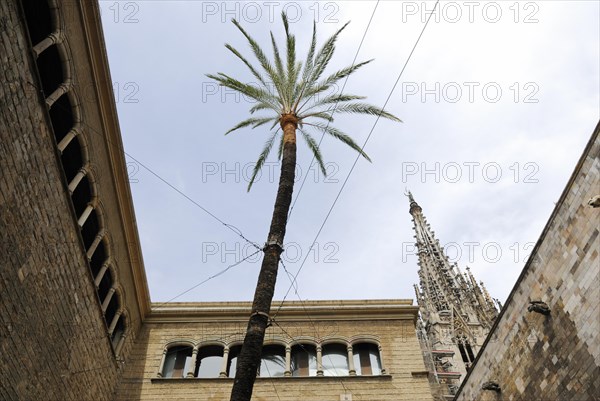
x: 262, y: 158
x: 277, y: 56
x: 255, y: 122
x: 365, y: 108
x: 280, y: 151
x: 323, y: 57
x: 324, y: 115
x: 311, y: 54
x: 263, y: 106
x: 332, y: 79
x: 329, y: 100
x: 337, y: 134
x: 256, y: 93
x: 291, y: 61
x: 314, y: 147
x: 261, y: 57
x: 308, y: 67
x: 252, y: 69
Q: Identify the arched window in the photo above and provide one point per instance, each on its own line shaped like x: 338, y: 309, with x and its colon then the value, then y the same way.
x: 98, y: 258
x: 72, y: 159
x: 177, y: 361
x: 234, y: 352
x: 61, y: 115
x: 105, y: 286
x: 466, y: 353
x: 118, y: 332
x: 469, y: 351
x: 90, y: 229
x: 335, y: 360
x: 81, y: 196
x: 272, y: 362
x: 304, y: 360
x: 366, y: 359
x: 39, y: 21
x: 208, y: 361
x: 111, y: 310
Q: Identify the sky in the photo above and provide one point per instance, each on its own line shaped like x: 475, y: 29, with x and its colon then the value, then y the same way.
x: 498, y: 100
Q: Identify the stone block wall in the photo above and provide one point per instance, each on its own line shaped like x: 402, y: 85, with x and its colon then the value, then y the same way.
x: 555, y: 357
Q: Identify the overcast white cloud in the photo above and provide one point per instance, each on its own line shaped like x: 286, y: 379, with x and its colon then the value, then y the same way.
x: 498, y: 102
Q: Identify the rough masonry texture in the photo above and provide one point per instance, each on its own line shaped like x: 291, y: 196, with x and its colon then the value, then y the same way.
x: 54, y: 341
x: 555, y: 357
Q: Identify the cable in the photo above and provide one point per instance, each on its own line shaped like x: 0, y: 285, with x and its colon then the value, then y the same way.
x: 207, y: 280
x: 358, y: 156
x: 316, y: 331
x: 231, y: 227
x: 332, y: 112
x: 271, y: 380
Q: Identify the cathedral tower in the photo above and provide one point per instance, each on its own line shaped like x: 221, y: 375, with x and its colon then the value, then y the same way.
x: 456, y: 312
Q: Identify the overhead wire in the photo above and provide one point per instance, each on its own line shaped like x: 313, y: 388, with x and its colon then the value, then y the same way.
x: 208, y: 279
x: 229, y: 226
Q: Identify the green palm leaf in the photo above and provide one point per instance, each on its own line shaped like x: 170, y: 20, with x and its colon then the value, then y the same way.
x: 255, y: 122
x: 263, y: 157
x: 337, y: 134
x: 314, y: 147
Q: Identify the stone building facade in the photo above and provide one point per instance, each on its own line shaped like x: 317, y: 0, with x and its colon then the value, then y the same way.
x: 314, y: 351
x: 553, y: 353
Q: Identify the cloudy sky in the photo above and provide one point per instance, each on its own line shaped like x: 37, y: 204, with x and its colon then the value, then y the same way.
x: 498, y: 101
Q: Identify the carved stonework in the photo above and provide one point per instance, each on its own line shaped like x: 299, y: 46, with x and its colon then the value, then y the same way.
x: 456, y: 310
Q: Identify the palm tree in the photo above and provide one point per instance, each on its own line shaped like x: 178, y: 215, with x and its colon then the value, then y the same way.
x: 296, y: 106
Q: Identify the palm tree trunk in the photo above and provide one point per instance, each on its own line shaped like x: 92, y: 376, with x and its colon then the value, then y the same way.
x: 249, y: 358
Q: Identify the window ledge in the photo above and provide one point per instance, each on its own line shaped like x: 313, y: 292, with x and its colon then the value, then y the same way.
x: 258, y: 379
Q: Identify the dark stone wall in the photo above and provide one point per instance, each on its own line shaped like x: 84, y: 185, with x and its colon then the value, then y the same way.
x: 53, y: 339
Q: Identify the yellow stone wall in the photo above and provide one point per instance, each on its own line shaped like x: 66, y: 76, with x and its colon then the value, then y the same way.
x: 389, y: 323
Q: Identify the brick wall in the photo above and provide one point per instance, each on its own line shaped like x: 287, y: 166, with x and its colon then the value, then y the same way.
x: 555, y: 357
x: 53, y: 341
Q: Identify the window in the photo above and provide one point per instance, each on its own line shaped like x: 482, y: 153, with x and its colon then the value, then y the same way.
x: 61, y: 113
x: 98, y: 259
x: 335, y: 360
x: 466, y: 352
x: 304, y: 360
x: 112, y: 308
x: 177, y: 361
x: 366, y: 359
x: 39, y: 21
x: 208, y: 361
x: 272, y: 362
x: 469, y: 352
x: 118, y: 332
x: 234, y: 352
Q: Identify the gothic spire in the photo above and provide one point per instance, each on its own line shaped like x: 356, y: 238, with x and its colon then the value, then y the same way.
x: 442, y: 285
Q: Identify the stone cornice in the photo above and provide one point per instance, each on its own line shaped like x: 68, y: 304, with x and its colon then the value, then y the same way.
x: 355, y: 310
x: 96, y: 49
